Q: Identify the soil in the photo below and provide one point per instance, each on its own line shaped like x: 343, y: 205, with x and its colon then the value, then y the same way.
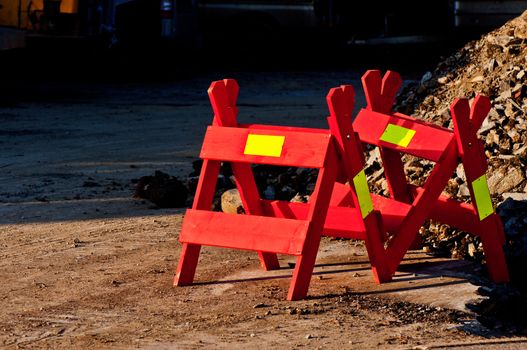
x: 84, y: 265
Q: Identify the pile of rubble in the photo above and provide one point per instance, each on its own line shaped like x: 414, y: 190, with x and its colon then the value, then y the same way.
x: 495, y: 66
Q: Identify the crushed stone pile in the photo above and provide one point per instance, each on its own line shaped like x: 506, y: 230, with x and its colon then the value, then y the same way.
x: 495, y: 66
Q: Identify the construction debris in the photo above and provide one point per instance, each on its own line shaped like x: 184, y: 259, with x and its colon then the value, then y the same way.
x: 163, y: 190
x: 494, y: 66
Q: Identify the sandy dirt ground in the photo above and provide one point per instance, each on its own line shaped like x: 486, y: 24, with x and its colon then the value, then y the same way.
x: 83, y: 265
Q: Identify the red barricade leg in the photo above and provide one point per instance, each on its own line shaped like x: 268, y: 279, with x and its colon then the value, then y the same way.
x: 380, y: 96
x: 467, y: 120
x: 223, y: 96
x: 341, y: 102
x: 188, y: 262
x: 317, y: 215
x: 205, y: 190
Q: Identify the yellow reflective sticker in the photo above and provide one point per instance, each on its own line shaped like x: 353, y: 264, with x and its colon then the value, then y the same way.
x: 363, y: 193
x: 264, y: 145
x: 482, y: 196
x: 397, y: 135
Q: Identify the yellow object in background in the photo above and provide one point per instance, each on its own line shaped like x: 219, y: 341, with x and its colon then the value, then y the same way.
x: 9, y: 13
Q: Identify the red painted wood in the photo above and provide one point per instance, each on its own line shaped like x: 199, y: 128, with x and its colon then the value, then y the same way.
x: 306, y: 150
x: 421, y: 206
x: 453, y: 213
x: 493, y: 249
x: 341, y: 221
x: 188, y: 261
x: 186, y: 268
x: 341, y: 195
x: 392, y: 212
x: 380, y: 92
x: 380, y: 98
x: 395, y: 175
x: 316, y: 217
x: 340, y: 103
x: 467, y: 119
x: 223, y: 97
x: 248, y: 232
x: 223, y: 103
x: 428, y: 142
x: 391, y: 83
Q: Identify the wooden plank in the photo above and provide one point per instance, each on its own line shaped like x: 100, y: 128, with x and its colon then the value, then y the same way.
x: 301, y: 149
x: 342, y: 222
x: 428, y: 142
x: 467, y: 119
x: 454, y: 213
x: 392, y: 212
x: 248, y: 232
x: 188, y: 261
x: 422, y: 206
x: 318, y: 208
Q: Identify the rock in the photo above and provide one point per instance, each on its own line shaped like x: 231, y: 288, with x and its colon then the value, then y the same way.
x: 463, y: 191
x: 495, y: 66
x: 231, y: 202
x: 442, y: 80
x: 163, y: 190
x: 471, y: 249
x: 426, y: 78
x: 298, y: 198
x: 515, y: 196
x: 460, y: 172
x: 503, y: 180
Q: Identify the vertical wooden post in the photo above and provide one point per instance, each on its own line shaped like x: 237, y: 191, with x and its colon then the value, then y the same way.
x: 223, y: 96
x: 380, y: 96
x: 341, y: 102
x: 316, y: 217
x: 188, y: 260
x: 467, y: 120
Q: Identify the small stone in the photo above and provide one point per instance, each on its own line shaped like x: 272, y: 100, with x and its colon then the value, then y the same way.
x: 503, y: 179
x: 515, y: 196
x: 231, y: 202
x: 442, y: 80
x: 463, y: 191
x: 471, y: 249
x: 309, y: 336
x: 298, y: 198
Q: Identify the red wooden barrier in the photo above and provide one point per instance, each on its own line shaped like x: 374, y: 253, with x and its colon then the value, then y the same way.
x: 337, y: 209
x: 396, y: 134
x: 272, y: 227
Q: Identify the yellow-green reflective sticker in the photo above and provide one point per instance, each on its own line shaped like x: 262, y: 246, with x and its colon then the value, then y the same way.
x: 482, y: 195
x: 363, y: 193
x: 264, y: 145
x: 397, y: 135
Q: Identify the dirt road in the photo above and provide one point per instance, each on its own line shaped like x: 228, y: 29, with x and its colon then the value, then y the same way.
x: 83, y: 265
